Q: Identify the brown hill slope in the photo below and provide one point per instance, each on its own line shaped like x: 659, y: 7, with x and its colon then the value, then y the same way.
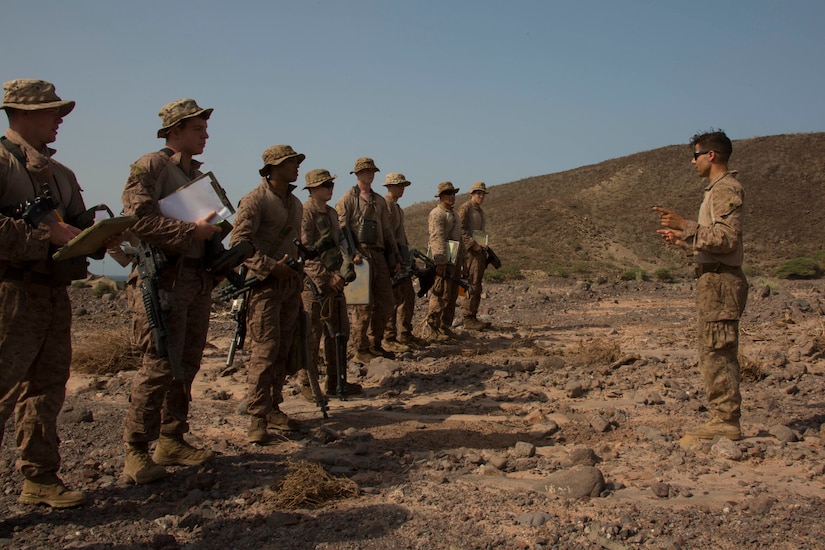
x: 597, y: 219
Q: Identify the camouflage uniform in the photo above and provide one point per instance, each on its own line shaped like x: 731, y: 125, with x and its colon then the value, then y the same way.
x: 333, y: 309
x: 473, y: 218
x: 35, y: 312
x: 399, y: 325
x: 443, y: 225
x: 159, y: 404
x: 271, y: 223
x: 721, y: 292
x: 369, y: 321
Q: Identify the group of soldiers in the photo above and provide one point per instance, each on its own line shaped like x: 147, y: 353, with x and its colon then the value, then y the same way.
x: 300, y: 258
x: 294, y: 256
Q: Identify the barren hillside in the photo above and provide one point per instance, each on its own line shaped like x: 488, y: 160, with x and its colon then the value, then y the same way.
x: 597, y: 219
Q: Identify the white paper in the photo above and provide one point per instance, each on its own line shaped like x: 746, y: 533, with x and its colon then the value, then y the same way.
x: 194, y: 201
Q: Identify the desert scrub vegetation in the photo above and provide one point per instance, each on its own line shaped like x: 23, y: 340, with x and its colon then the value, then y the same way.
x: 634, y: 274
x: 663, y: 275
x: 506, y: 273
x: 102, y: 288
x: 801, y: 268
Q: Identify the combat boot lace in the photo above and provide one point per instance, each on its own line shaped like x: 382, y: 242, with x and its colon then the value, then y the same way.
x: 174, y: 450
x: 49, y: 489
x: 139, y: 466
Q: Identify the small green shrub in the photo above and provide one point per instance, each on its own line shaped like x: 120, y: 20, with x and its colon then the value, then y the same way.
x: 102, y: 288
x: 663, y: 275
x: 506, y: 273
x: 799, y: 268
x: 634, y: 274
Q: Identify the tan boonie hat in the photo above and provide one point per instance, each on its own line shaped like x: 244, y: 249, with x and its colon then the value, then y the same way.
x: 479, y: 186
x: 172, y: 113
x: 396, y: 178
x: 364, y: 163
x: 28, y: 94
x: 275, y: 155
x: 445, y: 186
x: 317, y: 177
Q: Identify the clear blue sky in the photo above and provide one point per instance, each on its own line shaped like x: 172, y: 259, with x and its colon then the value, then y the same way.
x: 438, y: 90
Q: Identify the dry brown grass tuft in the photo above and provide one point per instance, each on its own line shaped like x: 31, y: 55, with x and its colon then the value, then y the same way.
x: 594, y: 352
x: 107, y: 351
x: 749, y: 371
x: 308, y: 485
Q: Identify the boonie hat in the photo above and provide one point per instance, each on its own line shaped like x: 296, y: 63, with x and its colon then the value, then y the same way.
x: 396, y: 178
x: 479, y: 186
x: 180, y: 109
x: 275, y: 155
x: 364, y: 163
x: 28, y: 94
x: 445, y: 186
x: 317, y: 177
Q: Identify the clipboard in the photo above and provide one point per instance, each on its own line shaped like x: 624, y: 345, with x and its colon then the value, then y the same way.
x: 196, y: 199
x: 90, y: 240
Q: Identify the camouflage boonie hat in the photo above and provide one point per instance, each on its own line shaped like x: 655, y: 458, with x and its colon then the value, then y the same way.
x: 396, y: 178
x: 479, y: 186
x: 172, y: 113
x: 28, y: 94
x: 445, y: 186
x: 317, y: 177
x: 364, y: 163
x: 275, y: 155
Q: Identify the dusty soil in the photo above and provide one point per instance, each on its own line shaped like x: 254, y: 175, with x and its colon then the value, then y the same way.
x: 461, y: 445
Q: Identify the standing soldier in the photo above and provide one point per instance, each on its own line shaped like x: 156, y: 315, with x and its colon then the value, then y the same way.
x: 715, y: 241
x: 35, y: 313
x: 365, y: 213
x: 473, y: 219
x: 447, y: 252
x: 159, y: 403
x: 328, y: 310
x: 270, y: 216
x: 398, y: 336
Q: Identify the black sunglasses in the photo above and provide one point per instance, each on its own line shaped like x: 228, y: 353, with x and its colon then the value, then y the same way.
x: 697, y: 154
x: 328, y: 184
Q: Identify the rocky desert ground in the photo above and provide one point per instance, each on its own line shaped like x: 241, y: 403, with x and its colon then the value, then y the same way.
x: 559, y: 427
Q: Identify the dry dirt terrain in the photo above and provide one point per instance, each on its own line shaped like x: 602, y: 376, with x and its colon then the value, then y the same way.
x: 559, y: 427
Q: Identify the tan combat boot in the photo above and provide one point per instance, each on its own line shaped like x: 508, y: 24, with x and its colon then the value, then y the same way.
x: 173, y: 449
x: 139, y: 466
x: 49, y: 489
x: 394, y: 345
x: 257, y: 430
x: 278, y: 420
x: 716, y: 426
x: 471, y: 323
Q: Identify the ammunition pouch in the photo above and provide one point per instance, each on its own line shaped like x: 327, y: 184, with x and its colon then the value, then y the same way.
x: 367, y: 232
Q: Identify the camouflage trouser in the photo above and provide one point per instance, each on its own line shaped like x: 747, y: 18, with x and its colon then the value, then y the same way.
x: 721, y: 299
x: 332, y: 313
x: 400, y: 321
x: 442, y: 306
x: 475, y: 265
x: 272, y: 320
x: 159, y: 403
x: 35, y: 354
x: 368, y: 321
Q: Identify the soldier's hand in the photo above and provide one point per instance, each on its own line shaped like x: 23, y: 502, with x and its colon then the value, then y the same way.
x: 669, y: 218
x: 60, y: 233
x: 281, y: 271
x: 113, y: 241
x: 357, y: 258
x: 336, y: 283
x: 671, y: 236
x: 204, y: 229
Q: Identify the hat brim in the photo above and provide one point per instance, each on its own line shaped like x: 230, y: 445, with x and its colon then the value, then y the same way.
x: 405, y: 183
x: 371, y: 169
x: 301, y: 158
x: 64, y: 106
x: 455, y: 190
x: 165, y: 130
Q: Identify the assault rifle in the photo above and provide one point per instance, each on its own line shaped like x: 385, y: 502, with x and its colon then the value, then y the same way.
x: 338, y: 337
x: 157, y: 302
x: 430, y: 279
x: 33, y: 211
x: 240, y: 309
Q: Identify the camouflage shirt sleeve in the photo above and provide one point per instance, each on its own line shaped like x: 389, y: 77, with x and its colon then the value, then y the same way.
x: 466, y: 234
x: 725, y: 233
x: 247, y: 223
x: 139, y: 200
x: 438, y: 236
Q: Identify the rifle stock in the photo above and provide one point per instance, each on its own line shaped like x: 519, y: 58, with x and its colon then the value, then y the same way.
x: 431, y: 265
